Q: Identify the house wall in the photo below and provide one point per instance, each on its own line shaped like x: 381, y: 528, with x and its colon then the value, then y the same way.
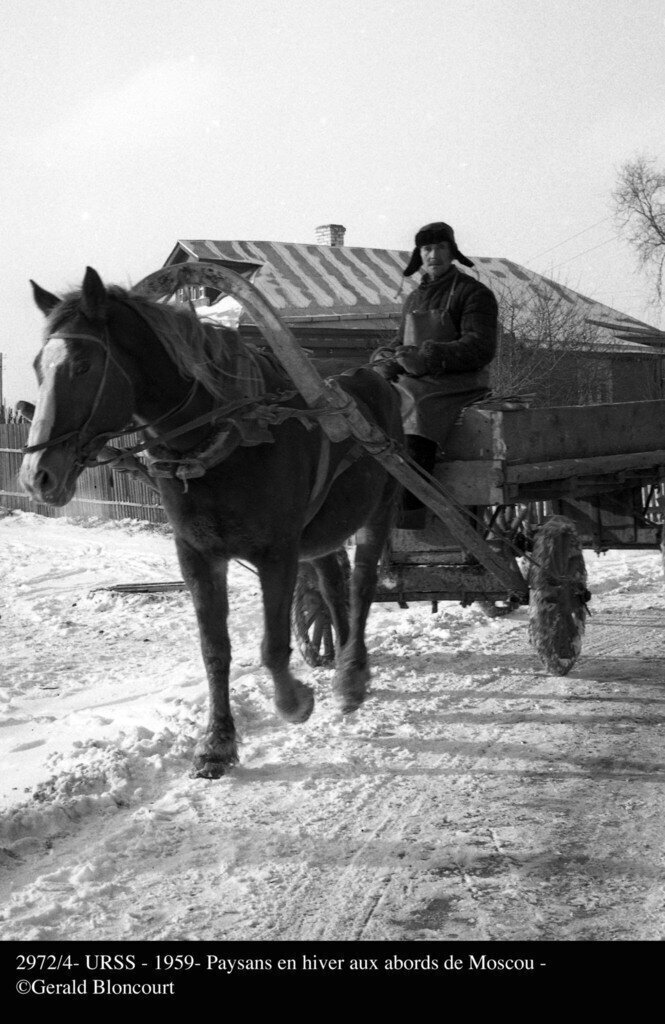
x: 332, y: 350
x: 579, y: 375
x: 637, y: 377
x: 585, y: 379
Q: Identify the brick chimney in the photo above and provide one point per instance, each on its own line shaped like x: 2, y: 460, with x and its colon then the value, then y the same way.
x: 330, y: 234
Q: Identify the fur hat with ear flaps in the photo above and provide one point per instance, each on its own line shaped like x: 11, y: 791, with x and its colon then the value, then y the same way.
x: 430, y: 235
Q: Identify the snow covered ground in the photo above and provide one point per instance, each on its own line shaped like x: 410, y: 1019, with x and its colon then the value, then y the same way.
x: 474, y: 797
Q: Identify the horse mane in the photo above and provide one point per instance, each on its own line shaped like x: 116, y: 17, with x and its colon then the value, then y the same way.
x: 214, y: 356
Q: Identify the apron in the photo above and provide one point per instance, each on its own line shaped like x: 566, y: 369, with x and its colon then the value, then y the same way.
x: 432, y: 405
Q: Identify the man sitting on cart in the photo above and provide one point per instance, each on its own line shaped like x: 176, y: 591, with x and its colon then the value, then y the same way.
x: 439, y: 360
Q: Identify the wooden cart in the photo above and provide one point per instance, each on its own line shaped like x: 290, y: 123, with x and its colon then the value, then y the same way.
x: 516, y: 470
x: 599, y: 465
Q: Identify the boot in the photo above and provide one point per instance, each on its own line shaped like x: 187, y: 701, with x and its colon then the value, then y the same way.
x: 413, y: 515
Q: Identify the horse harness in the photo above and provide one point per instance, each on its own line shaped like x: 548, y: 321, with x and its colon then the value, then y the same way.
x: 246, y: 422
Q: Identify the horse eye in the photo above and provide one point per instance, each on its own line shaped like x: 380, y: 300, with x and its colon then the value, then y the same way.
x: 80, y: 367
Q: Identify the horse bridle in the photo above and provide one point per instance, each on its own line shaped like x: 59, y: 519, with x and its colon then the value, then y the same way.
x: 230, y: 413
x: 82, y: 451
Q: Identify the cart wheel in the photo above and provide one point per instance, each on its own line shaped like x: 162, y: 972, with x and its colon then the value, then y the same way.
x: 558, y: 599
x: 512, y: 525
x: 310, y: 618
x: 509, y: 529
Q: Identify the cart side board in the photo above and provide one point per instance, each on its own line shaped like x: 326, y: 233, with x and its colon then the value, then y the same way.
x: 548, y: 434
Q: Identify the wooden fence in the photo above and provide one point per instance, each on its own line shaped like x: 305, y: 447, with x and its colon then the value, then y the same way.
x: 101, y: 491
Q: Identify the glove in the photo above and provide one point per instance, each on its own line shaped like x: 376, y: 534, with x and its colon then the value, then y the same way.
x: 411, y: 360
x: 388, y: 369
x: 383, y: 363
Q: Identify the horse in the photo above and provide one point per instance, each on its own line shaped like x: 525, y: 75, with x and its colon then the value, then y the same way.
x: 243, y: 468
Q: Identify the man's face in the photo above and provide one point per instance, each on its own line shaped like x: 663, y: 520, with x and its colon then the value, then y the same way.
x: 436, y: 258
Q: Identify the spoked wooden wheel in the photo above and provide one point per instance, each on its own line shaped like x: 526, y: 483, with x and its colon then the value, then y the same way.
x: 510, y: 528
x: 558, y: 595
x: 310, y: 618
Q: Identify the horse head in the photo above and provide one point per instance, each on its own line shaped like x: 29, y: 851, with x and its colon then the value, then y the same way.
x: 85, y: 392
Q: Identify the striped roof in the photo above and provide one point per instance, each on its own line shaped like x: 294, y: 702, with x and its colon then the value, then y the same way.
x: 349, y: 286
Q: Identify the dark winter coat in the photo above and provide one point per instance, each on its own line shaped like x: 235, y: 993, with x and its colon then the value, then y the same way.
x: 468, y: 332
x: 452, y: 320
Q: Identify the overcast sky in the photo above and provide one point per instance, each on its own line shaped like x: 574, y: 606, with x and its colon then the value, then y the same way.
x: 127, y: 124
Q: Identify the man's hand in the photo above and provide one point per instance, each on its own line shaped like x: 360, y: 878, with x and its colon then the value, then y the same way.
x: 411, y: 361
x: 383, y: 362
x: 387, y: 368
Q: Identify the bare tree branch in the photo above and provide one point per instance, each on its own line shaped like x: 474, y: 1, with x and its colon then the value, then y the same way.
x: 548, y: 349
x: 639, y: 207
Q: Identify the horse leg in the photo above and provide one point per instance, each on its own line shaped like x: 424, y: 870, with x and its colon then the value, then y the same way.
x: 206, y: 580
x: 333, y: 588
x: 352, y: 671
x: 294, y: 700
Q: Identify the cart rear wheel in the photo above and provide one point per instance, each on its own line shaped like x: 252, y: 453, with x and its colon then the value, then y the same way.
x: 310, y: 618
x: 558, y: 595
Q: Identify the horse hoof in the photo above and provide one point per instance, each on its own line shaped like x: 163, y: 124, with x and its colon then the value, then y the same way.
x: 210, y: 769
x: 300, y: 707
x: 213, y: 760
x: 347, y: 707
x: 350, y: 702
x: 352, y: 689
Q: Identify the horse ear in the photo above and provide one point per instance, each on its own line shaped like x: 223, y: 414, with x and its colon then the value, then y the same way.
x: 44, y: 299
x: 93, y: 296
x: 26, y: 410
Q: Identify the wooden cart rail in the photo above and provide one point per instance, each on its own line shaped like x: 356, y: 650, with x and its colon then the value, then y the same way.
x: 543, y: 435
x: 499, y: 482
x: 503, y: 456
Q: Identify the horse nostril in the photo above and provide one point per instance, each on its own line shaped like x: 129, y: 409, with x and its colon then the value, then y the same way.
x: 42, y: 481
